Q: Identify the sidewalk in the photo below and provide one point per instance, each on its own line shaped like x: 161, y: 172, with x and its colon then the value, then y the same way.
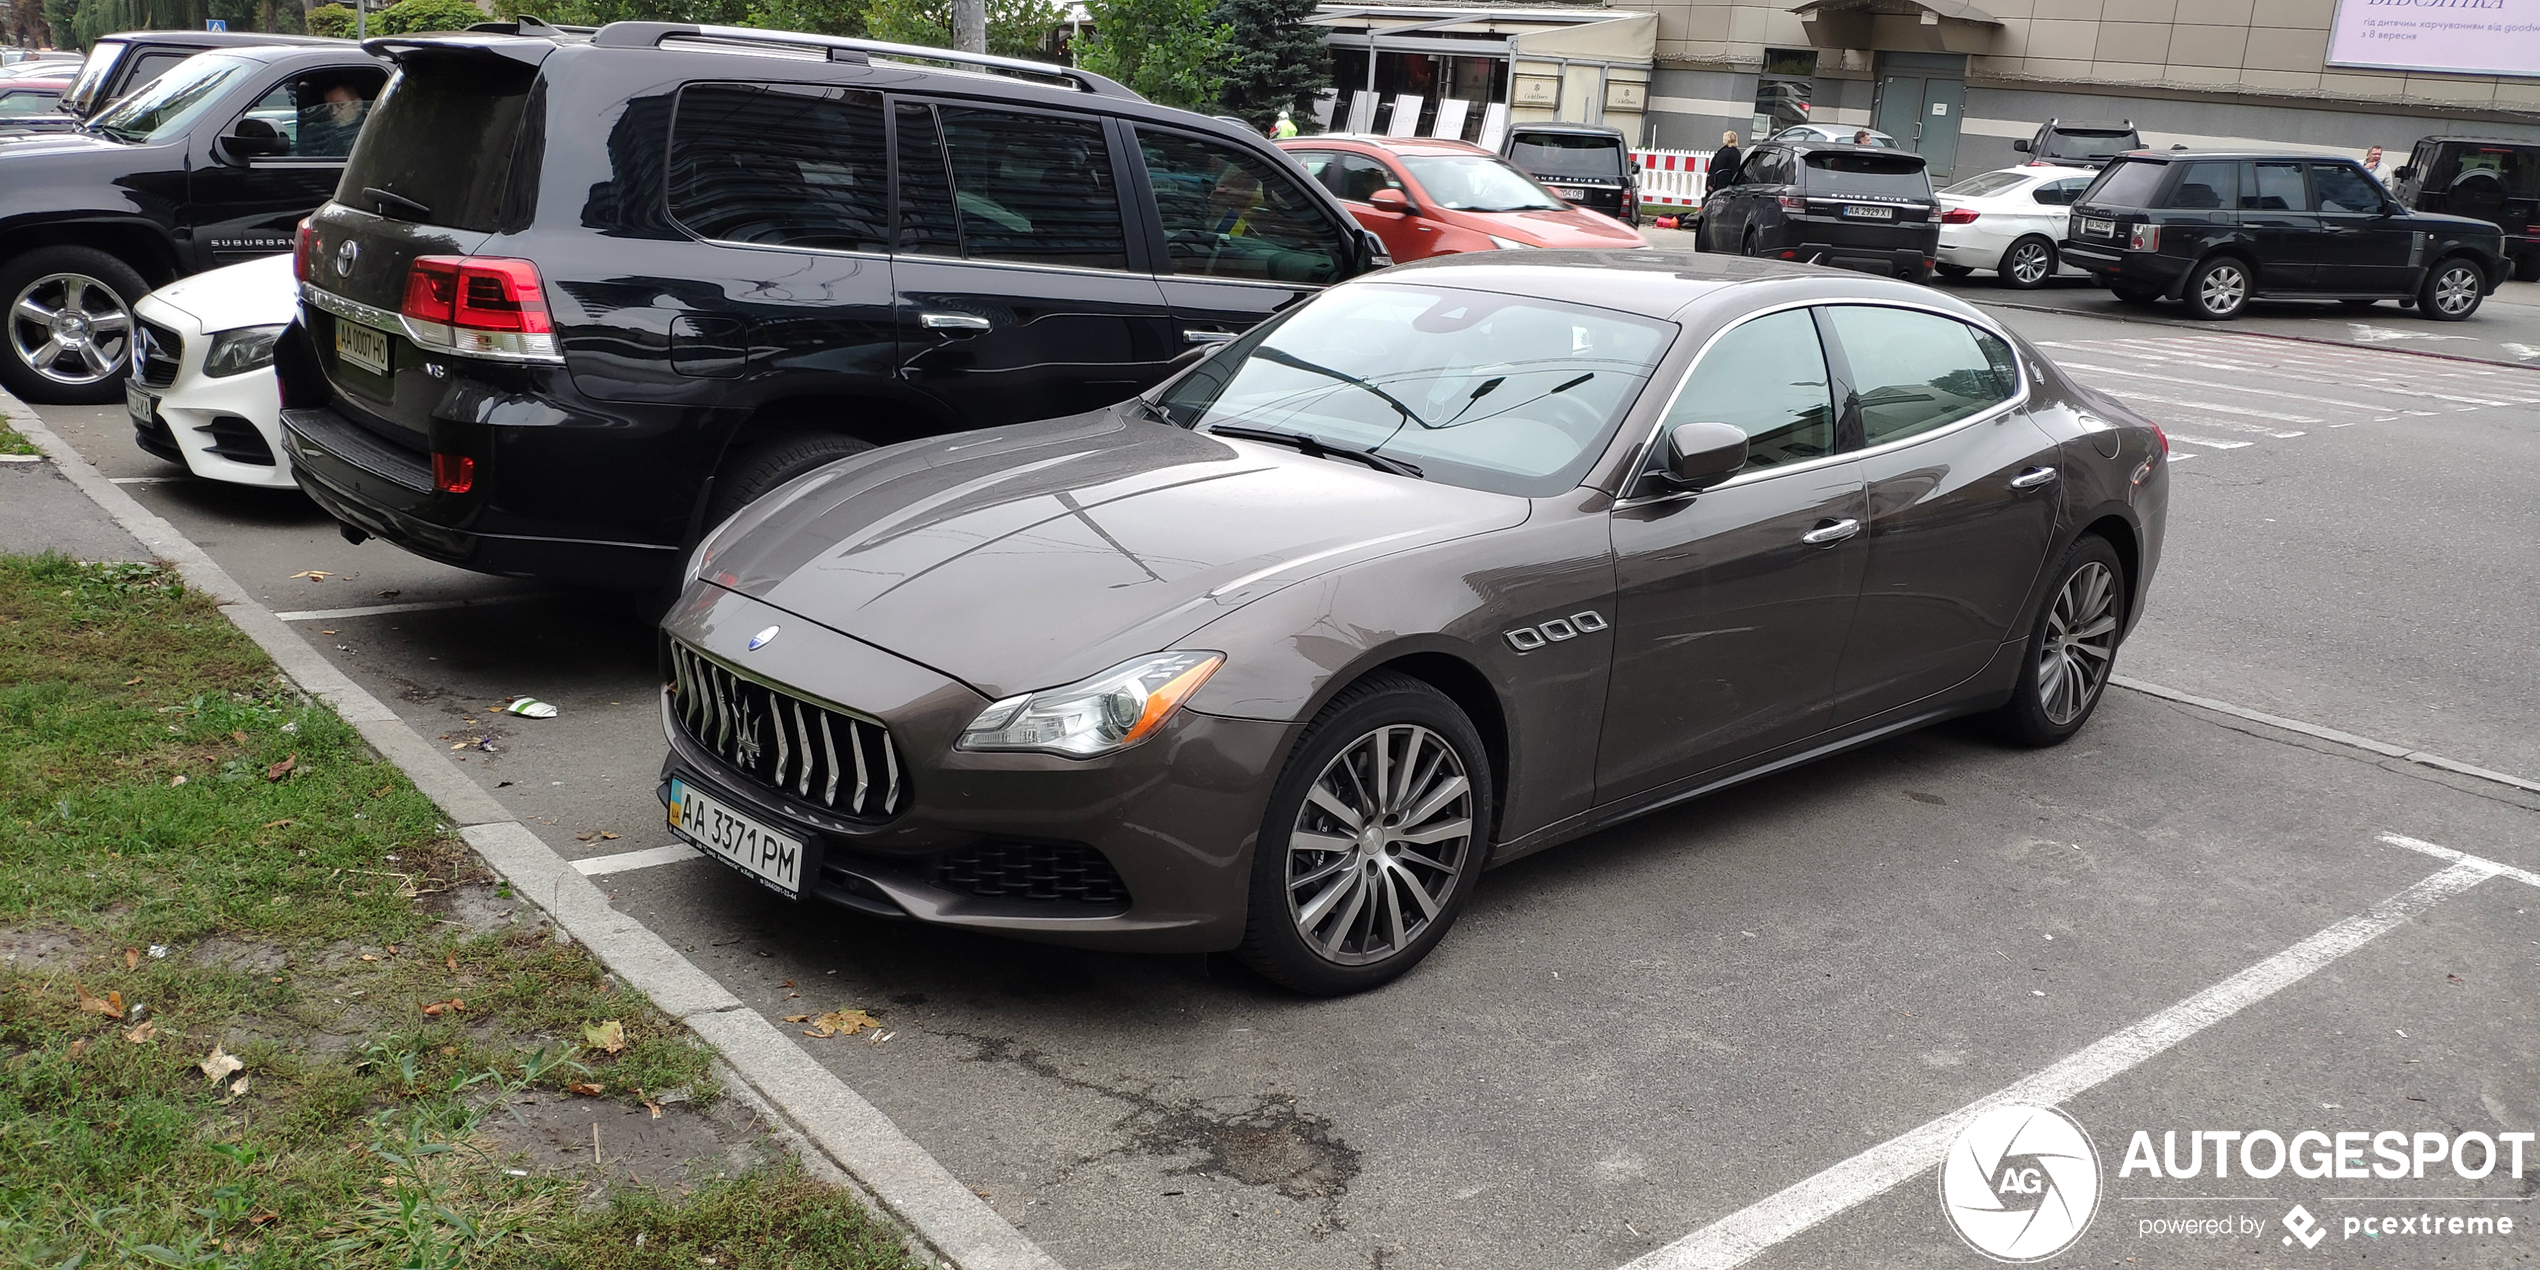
x: 41, y: 511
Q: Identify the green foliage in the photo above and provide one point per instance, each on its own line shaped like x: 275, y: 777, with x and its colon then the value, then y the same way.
x: 408, y: 17
x: 1169, y: 50
x: 1273, y: 60
x: 1016, y: 28
x: 820, y: 17
x: 331, y: 19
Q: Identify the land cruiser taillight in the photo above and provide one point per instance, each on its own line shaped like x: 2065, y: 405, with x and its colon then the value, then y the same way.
x: 1958, y: 216
x: 303, y: 248
x: 478, y: 306
x: 453, y: 473
x: 2145, y: 238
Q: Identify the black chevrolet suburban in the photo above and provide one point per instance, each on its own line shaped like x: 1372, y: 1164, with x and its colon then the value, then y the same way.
x: 210, y: 164
x: 580, y: 298
x: 1854, y: 207
x: 121, y: 64
x: 2215, y: 229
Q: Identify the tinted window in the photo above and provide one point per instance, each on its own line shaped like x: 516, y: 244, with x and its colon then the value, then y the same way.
x: 1772, y: 167
x: 2205, y: 186
x: 2273, y: 187
x: 2071, y: 143
x: 1767, y: 377
x: 1347, y: 175
x: 443, y: 135
x: 1566, y: 154
x: 1989, y: 183
x: 2126, y: 184
x: 1897, y: 175
x: 28, y: 102
x: 2345, y: 189
x: 928, y: 224
x: 317, y: 116
x: 2060, y: 193
x: 1227, y: 213
x: 1918, y: 371
x: 1034, y: 188
x: 784, y: 165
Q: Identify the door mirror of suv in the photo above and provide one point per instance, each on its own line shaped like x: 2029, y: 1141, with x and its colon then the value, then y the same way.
x: 1391, y: 200
x: 254, y: 139
x: 1701, y: 455
x: 2023, y: 145
x: 1635, y: 167
x: 2404, y: 172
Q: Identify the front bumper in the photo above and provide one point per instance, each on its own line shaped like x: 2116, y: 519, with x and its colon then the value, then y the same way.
x: 1174, y: 818
x: 222, y: 428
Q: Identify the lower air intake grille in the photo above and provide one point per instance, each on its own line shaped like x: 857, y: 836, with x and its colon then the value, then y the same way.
x: 1033, y: 871
x: 816, y: 754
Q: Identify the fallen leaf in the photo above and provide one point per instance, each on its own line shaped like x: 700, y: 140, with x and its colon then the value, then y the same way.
x: 382, y: 791
x: 787, y: 984
x: 142, y: 1031
x: 110, y: 1005
x: 390, y: 595
x: 653, y: 1107
x: 239, y: 735
x: 586, y: 1088
x: 131, y: 958
x: 176, y: 782
x: 609, y: 1035
x: 609, y: 836
x: 841, y: 1023
x: 313, y: 575
x: 130, y: 682
x: 451, y: 959
x: 392, y: 950
x: 220, y: 1063
x: 798, y: 1018
x: 283, y: 768
x: 454, y: 1005
x: 277, y: 824
x: 79, y: 1047
x: 261, y: 1216
x: 238, y: 1088
x: 370, y: 956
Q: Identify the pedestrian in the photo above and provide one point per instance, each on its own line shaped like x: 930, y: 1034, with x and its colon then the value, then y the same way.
x: 1861, y: 137
x: 1285, y: 128
x: 1724, y: 163
x: 2372, y: 164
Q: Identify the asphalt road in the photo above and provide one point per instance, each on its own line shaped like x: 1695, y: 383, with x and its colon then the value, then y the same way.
x: 1641, y: 1034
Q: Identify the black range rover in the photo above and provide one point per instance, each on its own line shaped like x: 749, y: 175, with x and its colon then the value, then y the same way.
x: 2216, y: 229
x: 1850, y: 206
x: 580, y: 298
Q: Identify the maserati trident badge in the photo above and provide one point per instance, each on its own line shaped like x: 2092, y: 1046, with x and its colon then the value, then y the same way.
x: 760, y: 640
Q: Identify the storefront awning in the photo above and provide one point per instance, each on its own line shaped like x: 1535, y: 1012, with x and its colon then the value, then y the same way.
x: 1942, y: 26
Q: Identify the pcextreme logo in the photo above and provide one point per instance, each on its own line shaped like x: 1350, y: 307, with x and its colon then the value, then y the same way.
x: 2021, y: 1183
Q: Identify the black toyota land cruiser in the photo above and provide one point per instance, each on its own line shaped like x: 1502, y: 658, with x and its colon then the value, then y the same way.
x: 121, y: 64
x: 210, y: 164
x: 1855, y: 207
x: 580, y: 298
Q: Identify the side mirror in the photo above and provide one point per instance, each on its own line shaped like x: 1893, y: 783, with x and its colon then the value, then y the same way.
x: 2178, y: 145
x: 1635, y: 167
x: 255, y: 139
x: 1701, y: 455
x: 2023, y: 145
x: 2404, y: 172
x: 1390, y: 200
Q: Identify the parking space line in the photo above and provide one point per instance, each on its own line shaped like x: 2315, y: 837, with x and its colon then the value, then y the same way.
x: 625, y: 861
x: 386, y: 610
x: 2422, y: 847
x: 21, y: 458
x: 145, y: 480
x: 1739, y: 1237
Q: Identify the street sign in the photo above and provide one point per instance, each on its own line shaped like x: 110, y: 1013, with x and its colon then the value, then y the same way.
x: 215, y: 24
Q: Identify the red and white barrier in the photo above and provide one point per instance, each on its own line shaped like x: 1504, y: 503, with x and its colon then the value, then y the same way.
x: 1672, y: 178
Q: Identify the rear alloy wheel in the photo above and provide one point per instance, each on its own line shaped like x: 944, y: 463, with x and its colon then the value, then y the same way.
x: 70, y: 325
x: 2452, y: 291
x: 2072, y: 649
x: 2027, y: 265
x: 1373, y: 841
x: 2219, y: 289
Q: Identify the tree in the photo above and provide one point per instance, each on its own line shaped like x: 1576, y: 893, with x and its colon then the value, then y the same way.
x: 1273, y: 60
x: 331, y: 19
x: 1016, y: 28
x: 1168, y: 50
x: 408, y: 17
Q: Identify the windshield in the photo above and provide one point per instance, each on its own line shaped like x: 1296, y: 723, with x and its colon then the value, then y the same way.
x: 1896, y: 175
x: 1989, y: 183
x: 172, y: 102
x: 1478, y: 183
x: 1488, y: 391
x: 2068, y: 143
x: 1566, y: 154
x: 93, y: 73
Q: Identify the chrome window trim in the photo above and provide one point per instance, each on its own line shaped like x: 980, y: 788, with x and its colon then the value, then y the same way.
x: 1648, y: 445
x: 382, y: 319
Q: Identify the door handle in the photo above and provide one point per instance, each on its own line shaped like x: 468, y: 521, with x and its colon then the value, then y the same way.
x: 1206, y: 337
x: 1832, y: 532
x: 954, y: 322
x: 2034, y: 478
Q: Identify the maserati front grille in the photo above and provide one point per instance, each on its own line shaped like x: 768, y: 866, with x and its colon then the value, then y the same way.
x: 822, y: 756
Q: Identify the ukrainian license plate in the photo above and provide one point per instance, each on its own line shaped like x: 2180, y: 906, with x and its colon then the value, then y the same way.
x: 138, y: 401
x: 2098, y: 228
x: 1860, y: 212
x: 735, y: 839
x: 363, y: 346
x: 1570, y: 192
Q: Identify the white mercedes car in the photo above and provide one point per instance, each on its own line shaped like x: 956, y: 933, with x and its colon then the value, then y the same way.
x: 2009, y: 222
x: 202, y: 391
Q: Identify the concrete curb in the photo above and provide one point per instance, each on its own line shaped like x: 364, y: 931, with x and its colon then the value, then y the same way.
x: 888, y: 1169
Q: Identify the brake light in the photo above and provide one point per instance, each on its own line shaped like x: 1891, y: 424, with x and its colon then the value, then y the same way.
x: 478, y: 306
x: 2164, y: 438
x: 1958, y: 216
x: 303, y: 248
x: 1794, y: 203
x: 453, y: 473
x: 2145, y: 238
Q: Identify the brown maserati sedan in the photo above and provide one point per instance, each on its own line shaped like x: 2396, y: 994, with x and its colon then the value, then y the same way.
x: 1450, y: 564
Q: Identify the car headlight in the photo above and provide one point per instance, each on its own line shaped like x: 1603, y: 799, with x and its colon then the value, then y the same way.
x: 1111, y: 711
x: 1508, y: 244
x: 236, y: 352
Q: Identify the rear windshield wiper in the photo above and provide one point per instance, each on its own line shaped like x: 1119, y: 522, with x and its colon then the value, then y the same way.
x: 1316, y: 447
x: 390, y: 201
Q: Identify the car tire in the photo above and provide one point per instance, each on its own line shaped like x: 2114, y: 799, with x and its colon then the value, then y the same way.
x: 2453, y: 289
x: 1953, y: 271
x: 2063, y: 675
x: 2029, y: 264
x: 2218, y: 290
x: 753, y: 471
x: 1747, y: 246
x: 51, y: 278
x: 1350, y: 936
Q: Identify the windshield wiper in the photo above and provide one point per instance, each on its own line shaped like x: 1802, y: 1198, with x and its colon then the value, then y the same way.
x: 1269, y: 354
x: 1316, y: 447
x: 392, y: 201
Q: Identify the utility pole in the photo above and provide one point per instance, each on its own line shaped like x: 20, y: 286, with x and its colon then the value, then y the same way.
x: 970, y: 25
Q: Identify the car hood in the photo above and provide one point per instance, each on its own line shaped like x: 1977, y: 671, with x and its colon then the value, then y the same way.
x: 1568, y: 227
x: 258, y: 293
x: 1030, y: 556
x: 25, y: 139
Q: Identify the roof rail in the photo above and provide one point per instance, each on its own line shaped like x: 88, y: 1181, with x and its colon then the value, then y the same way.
x: 841, y: 48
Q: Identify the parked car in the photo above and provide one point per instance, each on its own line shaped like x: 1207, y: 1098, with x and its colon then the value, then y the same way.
x: 1835, y: 133
x: 31, y: 96
x: 119, y: 65
x: 496, y: 373
x: 1586, y: 164
x: 1851, y: 206
x: 211, y: 164
x: 1428, y: 197
x: 2215, y: 229
x: 2080, y: 145
x: 2008, y: 222
x: 202, y: 391
x: 2483, y: 178
x: 1440, y: 568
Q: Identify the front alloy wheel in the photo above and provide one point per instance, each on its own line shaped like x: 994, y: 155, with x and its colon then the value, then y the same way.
x: 71, y: 329
x: 2453, y: 292
x: 2072, y: 650
x: 2028, y: 264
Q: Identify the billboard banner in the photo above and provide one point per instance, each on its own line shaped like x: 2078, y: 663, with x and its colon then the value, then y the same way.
x: 2463, y: 37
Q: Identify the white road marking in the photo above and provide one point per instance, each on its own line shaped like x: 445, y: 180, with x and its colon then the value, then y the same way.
x: 2311, y: 398
x: 626, y: 861
x: 2423, y: 847
x: 385, y: 610
x: 2184, y: 439
x: 146, y: 480
x: 21, y: 458
x: 1737, y: 1238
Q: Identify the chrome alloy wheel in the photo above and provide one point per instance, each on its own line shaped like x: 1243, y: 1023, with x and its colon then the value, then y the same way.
x: 2224, y: 287
x: 70, y: 328
x: 1384, y: 836
x: 2456, y: 289
x: 2081, y: 644
x: 2031, y: 261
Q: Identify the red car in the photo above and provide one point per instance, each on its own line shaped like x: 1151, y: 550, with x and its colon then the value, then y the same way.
x: 1428, y: 197
x: 32, y: 96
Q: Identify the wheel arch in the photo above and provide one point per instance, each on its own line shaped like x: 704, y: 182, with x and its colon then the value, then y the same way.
x: 2125, y: 537
x: 2236, y: 249
x: 139, y: 244
x: 882, y: 420
x: 1452, y: 672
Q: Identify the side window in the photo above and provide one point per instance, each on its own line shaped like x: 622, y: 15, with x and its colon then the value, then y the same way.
x: 1034, y: 189
x: 2205, y: 186
x: 928, y: 223
x: 1768, y: 378
x: 2344, y: 189
x: 2274, y: 187
x: 1361, y: 177
x: 2061, y: 193
x: 1324, y: 166
x: 316, y: 116
x: 151, y: 65
x: 1228, y: 213
x: 783, y: 165
x: 1918, y: 371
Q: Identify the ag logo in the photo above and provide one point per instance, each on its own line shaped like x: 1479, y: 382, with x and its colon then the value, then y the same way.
x: 2021, y: 1183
